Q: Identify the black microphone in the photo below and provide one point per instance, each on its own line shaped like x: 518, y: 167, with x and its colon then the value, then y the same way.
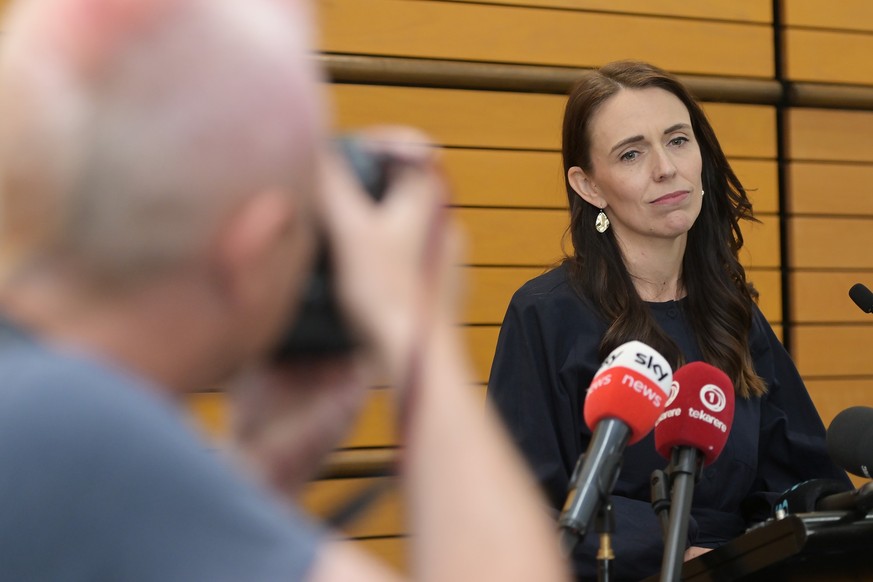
x: 625, y: 397
x: 862, y: 297
x: 809, y: 496
x: 850, y: 440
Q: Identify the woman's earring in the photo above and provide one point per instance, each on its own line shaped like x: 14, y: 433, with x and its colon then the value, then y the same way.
x: 601, y: 223
x: 702, y: 192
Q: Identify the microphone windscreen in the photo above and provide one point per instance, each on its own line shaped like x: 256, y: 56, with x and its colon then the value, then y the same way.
x: 850, y: 440
x: 862, y: 297
x: 632, y: 385
x: 698, y: 413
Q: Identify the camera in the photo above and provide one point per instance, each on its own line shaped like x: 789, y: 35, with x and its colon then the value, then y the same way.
x: 319, y: 328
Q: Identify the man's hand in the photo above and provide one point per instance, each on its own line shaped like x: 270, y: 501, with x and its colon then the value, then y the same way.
x: 286, y: 420
x: 393, y: 258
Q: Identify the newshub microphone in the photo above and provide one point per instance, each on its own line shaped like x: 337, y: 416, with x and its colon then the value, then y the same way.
x: 625, y: 397
x: 850, y: 440
x: 691, y: 433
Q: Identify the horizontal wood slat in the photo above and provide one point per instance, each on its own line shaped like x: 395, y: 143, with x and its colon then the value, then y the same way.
x: 384, y: 517
x: 823, y: 297
x: 820, y: 134
x: 831, y: 188
x: 738, y: 10
x: 833, y: 396
x: 828, y: 56
x: 417, y: 72
x: 498, y: 236
x: 847, y: 15
x: 510, y: 34
x: 831, y: 243
x: 488, y: 119
x: 833, y: 350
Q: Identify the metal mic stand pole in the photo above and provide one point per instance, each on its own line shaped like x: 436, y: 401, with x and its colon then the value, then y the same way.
x: 684, y: 469
x: 660, y: 492
x: 604, y: 524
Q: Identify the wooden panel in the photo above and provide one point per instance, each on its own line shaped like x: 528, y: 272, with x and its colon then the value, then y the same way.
x: 491, y: 288
x: 375, y: 427
x: 760, y: 178
x: 456, y: 117
x: 833, y: 396
x: 506, y: 178
x: 490, y: 119
x: 384, y: 517
x: 532, y: 237
x: 769, y: 286
x: 848, y: 14
x: 761, y: 249
x: 830, y: 188
x: 392, y: 551
x: 823, y: 297
x: 500, y: 236
x: 536, y: 179
x: 822, y: 134
x: 830, y: 350
x: 508, y: 34
x: 832, y: 243
x: 481, y: 343
x: 828, y: 56
x: 738, y: 10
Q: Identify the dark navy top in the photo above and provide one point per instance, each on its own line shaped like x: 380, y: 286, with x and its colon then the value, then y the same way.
x: 547, y: 354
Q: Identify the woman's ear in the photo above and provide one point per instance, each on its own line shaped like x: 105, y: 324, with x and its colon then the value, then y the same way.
x: 584, y: 187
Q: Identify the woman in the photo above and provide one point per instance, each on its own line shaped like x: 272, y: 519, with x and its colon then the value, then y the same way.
x: 655, y: 211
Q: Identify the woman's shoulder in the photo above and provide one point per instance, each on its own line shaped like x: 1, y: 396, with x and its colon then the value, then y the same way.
x: 553, y: 293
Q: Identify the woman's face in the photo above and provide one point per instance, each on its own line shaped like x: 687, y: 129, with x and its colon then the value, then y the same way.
x: 645, y: 166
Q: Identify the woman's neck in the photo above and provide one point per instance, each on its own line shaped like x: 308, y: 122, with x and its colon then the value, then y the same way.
x: 656, y: 269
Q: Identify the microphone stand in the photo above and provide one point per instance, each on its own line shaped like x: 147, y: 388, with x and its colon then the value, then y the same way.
x: 660, y: 492
x: 685, y: 466
x: 604, y: 524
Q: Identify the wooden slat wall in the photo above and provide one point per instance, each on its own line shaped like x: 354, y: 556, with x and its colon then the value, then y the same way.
x: 829, y: 202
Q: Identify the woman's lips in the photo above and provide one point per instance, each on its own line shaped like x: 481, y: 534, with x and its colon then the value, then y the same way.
x: 671, y: 197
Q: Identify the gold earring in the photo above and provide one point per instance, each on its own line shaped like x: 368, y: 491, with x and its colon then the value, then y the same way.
x: 601, y: 223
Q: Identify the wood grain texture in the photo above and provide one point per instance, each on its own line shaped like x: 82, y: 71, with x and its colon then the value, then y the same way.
x: 826, y: 56
x: 833, y: 350
x: 490, y: 119
x: 829, y: 135
x: 830, y: 188
x: 823, y: 297
x: 846, y: 15
x: 830, y: 243
x: 833, y: 396
x: 760, y: 11
x: 385, y: 517
x: 513, y: 34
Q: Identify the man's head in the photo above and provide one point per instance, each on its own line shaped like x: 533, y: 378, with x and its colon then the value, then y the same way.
x: 140, y: 139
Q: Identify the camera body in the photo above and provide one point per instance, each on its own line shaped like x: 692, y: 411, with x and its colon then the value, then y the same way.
x: 319, y: 328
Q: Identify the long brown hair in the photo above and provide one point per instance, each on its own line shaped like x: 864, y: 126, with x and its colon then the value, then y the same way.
x: 720, y: 300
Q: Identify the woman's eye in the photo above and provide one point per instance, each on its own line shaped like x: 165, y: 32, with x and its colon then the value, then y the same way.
x: 629, y: 156
x: 678, y: 141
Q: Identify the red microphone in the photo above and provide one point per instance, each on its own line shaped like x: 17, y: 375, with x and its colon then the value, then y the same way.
x: 625, y: 397
x: 691, y: 432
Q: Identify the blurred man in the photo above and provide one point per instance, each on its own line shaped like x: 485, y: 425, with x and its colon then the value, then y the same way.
x: 164, y: 181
